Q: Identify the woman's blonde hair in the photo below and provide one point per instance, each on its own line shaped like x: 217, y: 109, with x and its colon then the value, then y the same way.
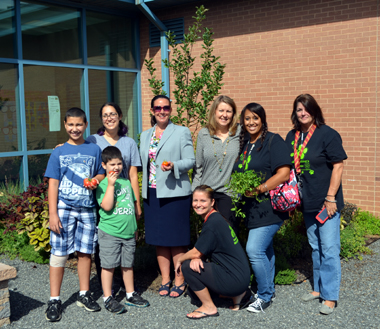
x: 212, y: 126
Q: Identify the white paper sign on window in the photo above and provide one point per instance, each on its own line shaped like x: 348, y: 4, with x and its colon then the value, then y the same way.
x: 54, y: 113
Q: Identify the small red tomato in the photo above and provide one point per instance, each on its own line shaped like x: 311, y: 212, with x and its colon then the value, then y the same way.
x: 112, y: 172
x: 165, y: 163
x: 89, y: 182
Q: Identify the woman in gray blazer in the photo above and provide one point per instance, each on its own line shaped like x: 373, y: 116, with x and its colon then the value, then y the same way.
x: 167, y: 154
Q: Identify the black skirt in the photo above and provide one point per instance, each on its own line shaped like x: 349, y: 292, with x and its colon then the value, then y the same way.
x: 167, y: 220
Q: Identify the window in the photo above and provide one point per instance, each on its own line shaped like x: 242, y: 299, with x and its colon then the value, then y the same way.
x: 110, y: 40
x: 50, y: 33
x: 58, y: 70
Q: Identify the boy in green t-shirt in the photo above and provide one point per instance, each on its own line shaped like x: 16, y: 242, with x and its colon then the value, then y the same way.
x: 117, y: 229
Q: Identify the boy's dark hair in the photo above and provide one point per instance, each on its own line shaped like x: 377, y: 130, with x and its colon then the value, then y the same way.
x: 76, y: 112
x: 111, y: 152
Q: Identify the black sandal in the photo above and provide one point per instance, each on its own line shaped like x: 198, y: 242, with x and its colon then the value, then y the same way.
x: 165, y: 287
x: 178, y: 289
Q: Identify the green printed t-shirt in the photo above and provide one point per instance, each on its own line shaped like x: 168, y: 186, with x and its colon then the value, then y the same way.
x: 121, y: 220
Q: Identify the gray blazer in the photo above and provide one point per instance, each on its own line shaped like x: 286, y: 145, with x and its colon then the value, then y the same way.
x: 176, y: 146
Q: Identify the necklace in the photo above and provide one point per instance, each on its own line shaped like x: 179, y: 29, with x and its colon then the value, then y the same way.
x: 224, y: 153
x: 249, y: 153
x: 209, y: 213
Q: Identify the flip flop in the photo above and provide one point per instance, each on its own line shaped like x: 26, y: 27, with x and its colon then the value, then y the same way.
x: 165, y: 287
x: 202, y: 317
x: 178, y: 289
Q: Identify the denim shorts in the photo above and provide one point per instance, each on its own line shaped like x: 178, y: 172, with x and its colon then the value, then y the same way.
x: 78, y: 232
x: 114, y: 251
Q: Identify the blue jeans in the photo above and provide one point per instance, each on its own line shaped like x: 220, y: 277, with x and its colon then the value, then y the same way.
x: 324, y: 240
x: 261, y: 256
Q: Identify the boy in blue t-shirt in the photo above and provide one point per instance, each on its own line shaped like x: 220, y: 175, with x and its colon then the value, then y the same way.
x: 72, y: 214
x: 117, y: 230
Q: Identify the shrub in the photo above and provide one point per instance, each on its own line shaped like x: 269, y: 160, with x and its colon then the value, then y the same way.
x: 36, y: 223
x: 291, y: 240
x: 352, y: 238
x: 17, y: 245
x: 348, y: 212
x: 14, y: 209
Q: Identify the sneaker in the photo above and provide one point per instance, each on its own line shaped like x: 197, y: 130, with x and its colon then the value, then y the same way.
x: 259, y: 305
x: 136, y: 300
x: 54, y: 310
x: 88, y: 302
x: 112, y: 305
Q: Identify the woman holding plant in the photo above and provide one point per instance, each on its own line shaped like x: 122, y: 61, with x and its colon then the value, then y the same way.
x: 264, y: 152
x: 217, y: 149
x: 167, y: 154
x: 318, y: 155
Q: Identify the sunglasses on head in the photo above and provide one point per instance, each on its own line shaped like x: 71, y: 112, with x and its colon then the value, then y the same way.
x: 166, y: 108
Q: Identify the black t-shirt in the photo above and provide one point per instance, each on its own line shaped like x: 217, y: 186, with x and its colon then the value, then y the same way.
x: 219, y: 242
x: 324, y: 148
x: 266, y: 160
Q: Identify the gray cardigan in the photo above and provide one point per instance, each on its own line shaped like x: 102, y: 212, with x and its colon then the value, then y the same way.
x: 206, y: 170
x: 176, y: 146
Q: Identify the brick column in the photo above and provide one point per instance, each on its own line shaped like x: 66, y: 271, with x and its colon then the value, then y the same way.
x: 6, y: 273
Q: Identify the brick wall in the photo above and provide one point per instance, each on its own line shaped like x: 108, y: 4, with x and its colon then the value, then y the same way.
x: 276, y: 50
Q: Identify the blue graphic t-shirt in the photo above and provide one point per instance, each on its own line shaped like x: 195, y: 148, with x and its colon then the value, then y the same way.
x: 71, y: 164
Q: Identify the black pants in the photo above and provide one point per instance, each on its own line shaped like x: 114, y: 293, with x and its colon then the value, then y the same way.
x: 206, y: 279
x: 224, y: 206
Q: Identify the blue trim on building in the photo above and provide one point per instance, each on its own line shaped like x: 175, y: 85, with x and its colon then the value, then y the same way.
x: 138, y: 77
x: 164, y: 43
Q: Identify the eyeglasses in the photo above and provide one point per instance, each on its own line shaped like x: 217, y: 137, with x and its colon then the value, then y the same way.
x: 112, y: 115
x: 157, y: 109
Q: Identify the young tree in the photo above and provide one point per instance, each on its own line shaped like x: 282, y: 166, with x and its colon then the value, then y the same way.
x: 194, y: 91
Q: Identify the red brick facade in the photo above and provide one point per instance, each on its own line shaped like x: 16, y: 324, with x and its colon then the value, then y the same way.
x: 276, y: 50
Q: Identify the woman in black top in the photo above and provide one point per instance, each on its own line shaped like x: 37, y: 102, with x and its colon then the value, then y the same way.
x: 319, y: 160
x: 228, y: 272
x: 264, y: 152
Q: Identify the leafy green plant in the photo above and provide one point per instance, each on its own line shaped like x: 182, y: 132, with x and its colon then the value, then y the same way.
x: 8, y: 189
x: 367, y: 223
x: 287, y: 276
x: 16, y: 245
x: 352, y: 243
x: 291, y: 240
x: 14, y: 210
x: 239, y: 184
x: 348, y: 212
x: 36, y: 223
x: 194, y: 90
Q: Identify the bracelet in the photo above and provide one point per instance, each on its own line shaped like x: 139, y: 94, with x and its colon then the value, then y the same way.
x: 332, y: 201
x: 266, y: 187
x: 331, y: 195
